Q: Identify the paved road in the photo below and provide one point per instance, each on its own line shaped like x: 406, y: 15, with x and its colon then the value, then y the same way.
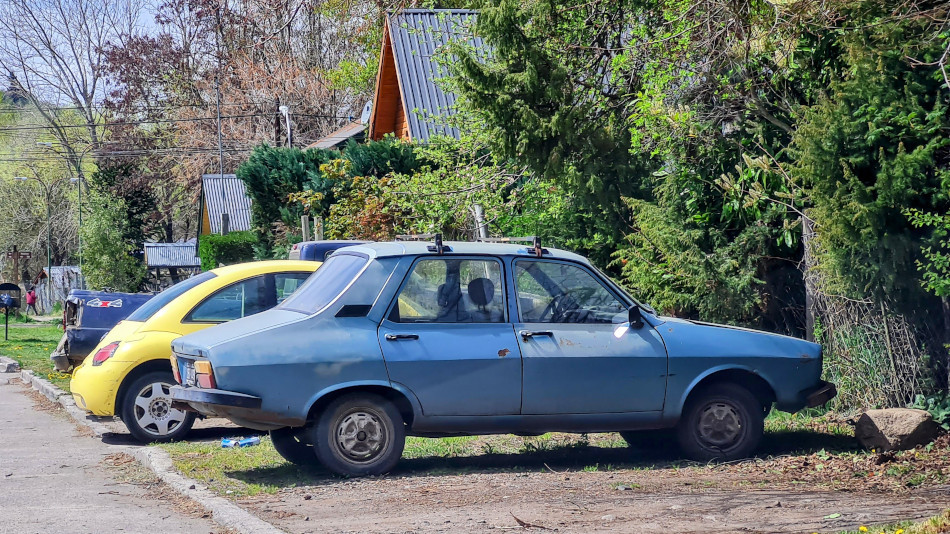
x: 52, y: 479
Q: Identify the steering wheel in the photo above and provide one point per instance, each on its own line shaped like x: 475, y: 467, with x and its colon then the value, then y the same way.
x: 559, y: 308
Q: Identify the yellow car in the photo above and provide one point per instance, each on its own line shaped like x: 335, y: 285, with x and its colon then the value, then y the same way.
x: 129, y: 372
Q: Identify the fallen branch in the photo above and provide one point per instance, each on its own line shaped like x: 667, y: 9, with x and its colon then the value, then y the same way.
x: 525, y: 524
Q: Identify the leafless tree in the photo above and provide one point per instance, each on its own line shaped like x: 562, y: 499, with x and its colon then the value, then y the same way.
x: 53, y: 53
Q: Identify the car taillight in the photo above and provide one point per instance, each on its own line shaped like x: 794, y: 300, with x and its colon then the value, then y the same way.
x: 175, y: 371
x: 104, y: 353
x: 204, y: 375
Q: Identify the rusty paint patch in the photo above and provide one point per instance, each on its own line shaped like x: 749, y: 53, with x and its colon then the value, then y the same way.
x: 503, y: 352
x: 567, y: 342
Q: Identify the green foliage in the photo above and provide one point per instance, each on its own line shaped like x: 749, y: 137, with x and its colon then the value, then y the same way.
x: 107, y: 253
x: 287, y: 183
x: 272, y: 175
x: 935, y: 265
x: 688, y: 270
x: 235, y: 247
x: 121, y: 180
x: 875, y: 146
x: 938, y: 406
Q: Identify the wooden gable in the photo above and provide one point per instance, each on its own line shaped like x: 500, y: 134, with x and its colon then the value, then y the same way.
x: 389, y: 113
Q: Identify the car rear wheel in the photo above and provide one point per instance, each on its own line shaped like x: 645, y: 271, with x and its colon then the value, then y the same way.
x: 147, y: 409
x: 358, y: 435
x: 721, y: 422
x: 287, y: 441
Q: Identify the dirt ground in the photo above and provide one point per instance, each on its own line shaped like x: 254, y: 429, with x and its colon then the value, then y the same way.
x: 784, y: 494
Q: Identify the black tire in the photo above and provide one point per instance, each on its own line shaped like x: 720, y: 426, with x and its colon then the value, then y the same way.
x: 147, y: 413
x: 359, y: 434
x: 720, y: 422
x: 288, y: 444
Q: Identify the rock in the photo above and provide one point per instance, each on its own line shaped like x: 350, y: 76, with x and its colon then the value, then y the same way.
x: 895, y: 429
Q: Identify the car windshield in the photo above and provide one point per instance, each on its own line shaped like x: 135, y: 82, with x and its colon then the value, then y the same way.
x: 326, y: 284
x: 148, y: 309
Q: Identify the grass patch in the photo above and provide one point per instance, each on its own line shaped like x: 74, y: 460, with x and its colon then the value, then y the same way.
x: 236, y: 472
x: 935, y: 525
x: 31, y: 347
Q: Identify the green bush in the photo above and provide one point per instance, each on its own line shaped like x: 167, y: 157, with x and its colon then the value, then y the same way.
x: 236, y: 247
x: 938, y: 406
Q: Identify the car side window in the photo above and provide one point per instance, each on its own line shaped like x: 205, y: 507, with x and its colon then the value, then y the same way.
x: 234, y: 301
x: 553, y: 292
x: 452, y: 291
x: 287, y: 283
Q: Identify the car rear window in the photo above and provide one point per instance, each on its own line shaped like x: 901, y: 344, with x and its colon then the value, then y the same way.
x: 325, y: 284
x: 159, y: 301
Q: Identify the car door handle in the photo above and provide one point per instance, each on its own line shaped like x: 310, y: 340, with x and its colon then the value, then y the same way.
x: 396, y: 337
x: 528, y: 334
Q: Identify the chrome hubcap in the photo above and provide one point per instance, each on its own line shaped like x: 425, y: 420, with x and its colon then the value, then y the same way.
x: 719, y: 425
x: 361, y: 436
x: 154, y: 412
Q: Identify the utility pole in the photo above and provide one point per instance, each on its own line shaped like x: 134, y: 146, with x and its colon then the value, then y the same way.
x: 217, y: 92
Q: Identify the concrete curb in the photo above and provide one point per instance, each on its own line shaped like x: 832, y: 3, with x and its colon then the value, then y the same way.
x: 9, y: 365
x: 223, y: 511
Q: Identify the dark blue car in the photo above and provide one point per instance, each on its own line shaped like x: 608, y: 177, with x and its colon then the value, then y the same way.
x: 390, y: 339
x: 87, y: 316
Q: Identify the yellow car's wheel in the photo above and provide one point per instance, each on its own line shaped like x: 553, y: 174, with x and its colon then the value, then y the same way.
x: 147, y: 409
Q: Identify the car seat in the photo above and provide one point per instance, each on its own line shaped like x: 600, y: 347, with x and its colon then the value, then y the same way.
x: 482, y: 292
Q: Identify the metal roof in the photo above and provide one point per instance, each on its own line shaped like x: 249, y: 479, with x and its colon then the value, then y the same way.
x: 226, y: 194
x: 341, y: 136
x: 417, y: 35
x: 171, y: 255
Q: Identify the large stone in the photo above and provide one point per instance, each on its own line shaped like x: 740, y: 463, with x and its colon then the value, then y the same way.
x: 895, y: 429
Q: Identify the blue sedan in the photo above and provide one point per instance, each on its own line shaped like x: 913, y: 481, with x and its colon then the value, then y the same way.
x: 390, y: 339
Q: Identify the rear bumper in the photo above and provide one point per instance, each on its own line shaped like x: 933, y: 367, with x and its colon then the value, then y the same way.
x: 820, y: 394
x: 213, y: 397
x: 243, y: 410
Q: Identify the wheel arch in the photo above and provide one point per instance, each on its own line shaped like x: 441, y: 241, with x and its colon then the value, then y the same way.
x: 148, y: 366
x: 744, y: 377
x: 400, y: 399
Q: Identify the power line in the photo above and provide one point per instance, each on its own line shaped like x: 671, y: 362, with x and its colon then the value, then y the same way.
x: 164, y: 121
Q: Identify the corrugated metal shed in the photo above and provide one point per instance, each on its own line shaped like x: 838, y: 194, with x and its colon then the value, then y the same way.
x: 417, y: 35
x: 226, y: 194
x: 171, y: 255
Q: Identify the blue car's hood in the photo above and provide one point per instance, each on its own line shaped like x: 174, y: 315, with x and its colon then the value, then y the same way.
x: 684, y: 337
x: 200, y: 343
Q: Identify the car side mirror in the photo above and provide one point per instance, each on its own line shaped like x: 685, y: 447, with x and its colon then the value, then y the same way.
x: 635, y: 317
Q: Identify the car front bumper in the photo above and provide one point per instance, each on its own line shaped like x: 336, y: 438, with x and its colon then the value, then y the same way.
x: 820, y: 394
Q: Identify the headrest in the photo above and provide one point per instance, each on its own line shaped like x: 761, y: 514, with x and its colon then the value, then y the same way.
x: 481, y: 291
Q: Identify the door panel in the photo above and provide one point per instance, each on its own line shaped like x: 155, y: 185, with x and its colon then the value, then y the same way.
x: 456, y: 369
x: 446, y: 338
x: 585, y: 368
x: 577, y: 357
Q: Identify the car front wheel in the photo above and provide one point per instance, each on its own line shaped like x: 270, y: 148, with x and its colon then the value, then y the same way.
x: 358, y: 435
x: 147, y: 409
x: 721, y: 422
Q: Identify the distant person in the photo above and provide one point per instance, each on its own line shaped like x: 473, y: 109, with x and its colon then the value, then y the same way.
x: 31, y: 301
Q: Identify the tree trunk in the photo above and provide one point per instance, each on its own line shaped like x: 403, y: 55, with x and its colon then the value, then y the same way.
x: 808, y: 262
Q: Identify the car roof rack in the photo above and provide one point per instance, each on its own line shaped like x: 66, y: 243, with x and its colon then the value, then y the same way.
x: 438, y: 247
x: 533, y: 239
